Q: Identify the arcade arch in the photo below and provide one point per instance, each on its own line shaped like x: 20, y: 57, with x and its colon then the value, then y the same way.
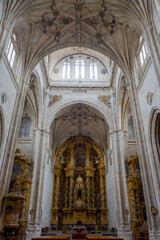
x: 79, y: 119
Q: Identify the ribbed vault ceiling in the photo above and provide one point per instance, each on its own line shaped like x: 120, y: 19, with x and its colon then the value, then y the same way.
x: 79, y: 120
x: 111, y: 27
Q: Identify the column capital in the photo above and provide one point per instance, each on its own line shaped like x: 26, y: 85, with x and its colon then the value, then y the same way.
x: 117, y: 132
x: 41, y: 131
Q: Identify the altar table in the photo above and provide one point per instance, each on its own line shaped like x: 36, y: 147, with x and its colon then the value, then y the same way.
x: 65, y: 237
x: 99, y: 237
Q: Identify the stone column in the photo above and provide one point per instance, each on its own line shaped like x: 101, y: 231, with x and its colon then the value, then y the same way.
x: 148, y: 177
x: 153, y: 48
x: 34, y: 220
x: 118, y: 148
x: 5, y: 34
x: 123, y: 225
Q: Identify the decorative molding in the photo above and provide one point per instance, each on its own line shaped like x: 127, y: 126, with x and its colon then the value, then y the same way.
x: 53, y: 99
x: 105, y: 99
x: 80, y: 90
x: 3, y: 97
x: 154, y: 210
x: 149, y: 98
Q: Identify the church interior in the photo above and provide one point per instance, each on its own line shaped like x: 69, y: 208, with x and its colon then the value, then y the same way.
x: 80, y: 119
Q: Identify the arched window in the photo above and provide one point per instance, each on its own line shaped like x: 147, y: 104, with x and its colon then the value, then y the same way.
x: 25, y: 127
x: 79, y: 69
x: 11, y: 52
x: 93, y: 71
x: 131, y: 129
x: 143, y: 52
x: 66, y: 70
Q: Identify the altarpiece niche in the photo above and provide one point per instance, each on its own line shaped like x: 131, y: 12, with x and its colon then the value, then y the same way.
x: 79, y: 192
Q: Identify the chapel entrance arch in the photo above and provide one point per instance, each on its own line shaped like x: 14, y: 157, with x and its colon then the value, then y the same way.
x: 79, y: 191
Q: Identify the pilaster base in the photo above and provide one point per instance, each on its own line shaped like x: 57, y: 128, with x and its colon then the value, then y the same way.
x: 154, y: 236
x: 33, y: 230
x: 29, y: 236
x: 124, y: 232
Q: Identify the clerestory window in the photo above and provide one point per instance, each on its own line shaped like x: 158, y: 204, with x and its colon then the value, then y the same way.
x: 131, y: 128
x: 143, y: 52
x: 11, y: 52
x: 93, y: 71
x: 25, y: 127
x: 66, y: 70
x: 79, y: 69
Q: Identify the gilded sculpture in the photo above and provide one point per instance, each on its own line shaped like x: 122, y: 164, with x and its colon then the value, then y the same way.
x: 17, y: 200
x: 138, y: 216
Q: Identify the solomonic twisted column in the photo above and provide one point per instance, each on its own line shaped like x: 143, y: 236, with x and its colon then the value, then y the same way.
x: 93, y: 193
x: 71, y: 191
x: 88, y: 188
x: 102, y: 192
x: 57, y: 190
x: 66, y: 193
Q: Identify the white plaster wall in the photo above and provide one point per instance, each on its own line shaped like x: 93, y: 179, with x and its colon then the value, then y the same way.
x: 150, y: 84
x: 156, y: 15
x: 111, y: 195
x: 47, y: 193
x: 6, y: 85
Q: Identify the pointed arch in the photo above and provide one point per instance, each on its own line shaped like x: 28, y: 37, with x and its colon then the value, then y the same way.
x: 154, y: 135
